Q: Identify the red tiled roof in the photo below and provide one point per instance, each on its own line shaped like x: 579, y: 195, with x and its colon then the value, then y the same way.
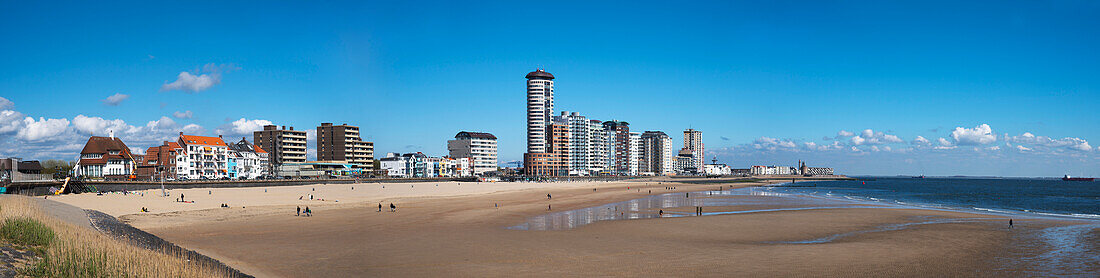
x: 174, y: 145
x: 258, y: 149
x: 203, y: 140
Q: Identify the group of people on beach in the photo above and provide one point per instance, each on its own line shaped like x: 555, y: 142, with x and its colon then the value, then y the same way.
x: 393, y: 208
x: 307, y: 212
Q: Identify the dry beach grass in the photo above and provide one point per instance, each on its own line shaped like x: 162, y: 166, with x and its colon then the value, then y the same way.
x: 74, y: 251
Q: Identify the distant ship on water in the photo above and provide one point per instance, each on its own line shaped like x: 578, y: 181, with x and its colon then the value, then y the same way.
x: 1068, y: 178
x: 919, y: 177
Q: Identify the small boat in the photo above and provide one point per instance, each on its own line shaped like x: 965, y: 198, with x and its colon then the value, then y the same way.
x: 1068, y: 178
x: 919, y: 177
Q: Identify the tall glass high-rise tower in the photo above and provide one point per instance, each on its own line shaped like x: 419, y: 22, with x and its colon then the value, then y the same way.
x: 540, y: 109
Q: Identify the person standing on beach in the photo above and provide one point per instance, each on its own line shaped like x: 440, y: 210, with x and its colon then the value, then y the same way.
x: 393, y: 208
x: 548, y: 196
x: 299, y: 213
x: 1010, y: 223
x: 181, y: 198
x: 379, y: 207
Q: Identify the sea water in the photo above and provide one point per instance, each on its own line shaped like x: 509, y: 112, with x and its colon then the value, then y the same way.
x: 1038, y: 197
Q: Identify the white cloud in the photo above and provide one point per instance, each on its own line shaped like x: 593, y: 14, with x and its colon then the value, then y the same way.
x: 242, y: 127
x: 97, y: 126
x: 183, y: 115
x: 871, y: 137
x: 1022, y: 148
x: 857, y: 140
x: 844, y: 133
x: 116, y: 99
x: 42, y: 129
x: 191, y: 129
x: 768, y: 143
x: 944, y: 144
x: 193, y: 83
x: 978, y: 135
x: 993, y: 148
x: 921, y: 141
x: 150, y: 134
x: 1048, y: 144
x: 6, y: 104
x: 10, y: 121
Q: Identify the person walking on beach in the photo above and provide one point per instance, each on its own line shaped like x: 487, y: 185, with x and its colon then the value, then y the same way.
x: 308, y: 212
x: 1010, y: 223
x: 299, y: 213
x: 393, y: 208
x: 548, y: 196
x: 660, y: 213
x: 379, y: 207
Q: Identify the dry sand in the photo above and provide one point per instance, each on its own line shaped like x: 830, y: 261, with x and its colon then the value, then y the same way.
x: 455, y: 230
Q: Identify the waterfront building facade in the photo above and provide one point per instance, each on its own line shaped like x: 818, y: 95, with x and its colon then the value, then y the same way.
x: 619, y: 154
x: 162, y: 160
x: 418, y: 165
x: 554, y: 161
x: 540, y: 109
x: 206, y: 157
x: 760, y: 170
x: 580, y: 142
x: 282, y: 145
x: 685, y: 163
x: 105, y: 158
x: 343, y: 143
x: 634, y: 161
x: 693, y: 141
x: 657, y: 156
x: 717, y: 170
x: 481, y: 147
x: 247, y: 161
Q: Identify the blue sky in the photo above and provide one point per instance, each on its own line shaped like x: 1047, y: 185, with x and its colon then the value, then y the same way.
x: 768, y: 82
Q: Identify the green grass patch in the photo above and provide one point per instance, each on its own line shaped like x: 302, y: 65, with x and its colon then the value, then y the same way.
x: 26, y: 231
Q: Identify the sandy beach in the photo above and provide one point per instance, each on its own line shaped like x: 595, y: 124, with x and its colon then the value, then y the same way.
x: 454, y: 229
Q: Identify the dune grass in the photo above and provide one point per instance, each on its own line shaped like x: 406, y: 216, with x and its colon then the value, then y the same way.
x: 68, y: 250
x: 26, y: 231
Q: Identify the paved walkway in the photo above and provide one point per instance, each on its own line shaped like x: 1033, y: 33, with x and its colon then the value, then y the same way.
x: 59, y: 210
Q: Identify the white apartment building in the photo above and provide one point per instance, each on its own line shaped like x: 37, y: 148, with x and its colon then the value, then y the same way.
x: 599, y: 149
x: 540, y: 109
x: 635, y: 157
x: 204, y: 157
x: 479, y: 146
x: 717, y: 170
x: 657, y: 156
x: 418, y: 165
x: 771, y: 170
x: 579, y: 140
x: 247, y: 161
